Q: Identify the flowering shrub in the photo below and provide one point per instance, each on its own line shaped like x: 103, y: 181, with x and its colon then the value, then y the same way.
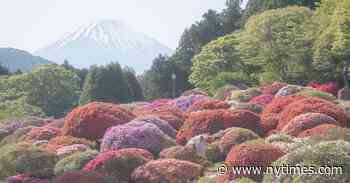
x: 161, y: 124
x: 75, y: 162
x: 262, y: 100
x: 116, y: 164
x: 55, y: 123
x: 184, y: 102
x: 68, y: 150
x: 271, y: 113
x: 316, y: 93
x: 208, y: 104
x: 318, y: 130
x: 330, y: 154
x: 330, y: 87
x: 25, y: 179
x: 313, y: 105
x: 307, y: 121
x: 273, y: 88
x: 25, y: 159
x: 167, y: 170
x: 62, y: 141
x: 187, y: 153
x: 246, y: 106
x: 136, y: 135
x: 234, y: 137
x: 245, y: 95
x: 212, y: 121
x: 16, y: 136
x: 12, y: 124
x: 251, y: 155
x: 41, y: 133
x: 225, y: 92
x: 156, y: 104
x: 81, y: 177
x: 332, y: 134
x: 92, y: 120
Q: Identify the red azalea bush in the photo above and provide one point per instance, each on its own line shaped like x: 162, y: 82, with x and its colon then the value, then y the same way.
x: 55, y: 123
x: 41, y: 133
x: 118, y: 164
x: 208, y: 104
x: 307, y: 121
x: 234, y: 137
x: 260, y: 155
x: 167, y: 170
x: 318, y: 130
x: 61, y: 141
x: 271, y: 113
x: 81, y: 177
x: 330, y: 87
x: 212, y: 121
x: 262, y: 100
x: 314, y: 105
x: 92, y: 120
x: 25, y: 179
x: 273, y: 88
x: 172, y: 115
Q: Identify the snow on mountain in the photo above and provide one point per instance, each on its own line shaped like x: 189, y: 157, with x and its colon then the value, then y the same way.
x: 103, y: 42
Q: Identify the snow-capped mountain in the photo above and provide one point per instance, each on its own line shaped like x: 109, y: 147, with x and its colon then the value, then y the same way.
x: 103, y: 42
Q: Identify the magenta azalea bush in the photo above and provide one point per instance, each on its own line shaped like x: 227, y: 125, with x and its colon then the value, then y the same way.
x: 136, y: 135
x: 184, y: 102
x: 161, y: 124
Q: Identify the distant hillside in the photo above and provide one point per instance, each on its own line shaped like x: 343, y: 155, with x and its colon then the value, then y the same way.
x: 15, y: 59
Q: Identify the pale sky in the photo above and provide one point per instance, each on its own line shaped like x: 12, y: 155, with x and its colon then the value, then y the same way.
x: 32, y: 24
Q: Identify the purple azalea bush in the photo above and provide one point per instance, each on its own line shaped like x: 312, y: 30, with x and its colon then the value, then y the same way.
x: 184, y: 102
x: 161, y: 124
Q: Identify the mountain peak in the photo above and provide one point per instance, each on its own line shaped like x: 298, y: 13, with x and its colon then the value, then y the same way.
x: 103, y: 41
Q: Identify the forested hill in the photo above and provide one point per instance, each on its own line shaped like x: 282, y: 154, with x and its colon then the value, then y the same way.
x: 15, y: 60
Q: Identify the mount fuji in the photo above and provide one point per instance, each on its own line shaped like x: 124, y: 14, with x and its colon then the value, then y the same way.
x: 103, y: 42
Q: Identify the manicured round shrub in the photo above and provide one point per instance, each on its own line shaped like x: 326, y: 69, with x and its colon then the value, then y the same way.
x: 116, y: 164
x: 161, y: 124
x: 25, y: 159
x: 332, y: 153
x: 92, y: 120
x: 82, y: 177
x: 184, y: 102
x: 247, y: 106
x: 252, y: 154
x: 167, y: 170
x: 75, y: 162
x: 318, y: 130
x: 245, y: 95
x: 156, y: 104
x: 271, y: 113
x: 262, y: 100
x: 12, y: 124
x: 208, y: 104
x: 307, y: 121
x: 288, y: 90
x: 312, y: 105
x: 212, y: 121
x: 62, y: 141
x: 41, y: 133
x: 16, y: 136
x: 332, y: 134
x: 55, y: 123
x: 273, y: 88
x: 187, y: 153
x: 330, y: 87
x: 25, y: 179
x: 68, y: 150
x: 134, y: 105
x: 234, y: 137
x: 136, y: 135
x: 225, y: 92
x: 316, y: 93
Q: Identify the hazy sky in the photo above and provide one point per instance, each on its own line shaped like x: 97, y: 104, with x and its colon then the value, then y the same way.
x: 32, y: 24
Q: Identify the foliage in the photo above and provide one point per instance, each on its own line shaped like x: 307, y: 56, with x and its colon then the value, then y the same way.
x: 134, y: 88
x: 105, y: 84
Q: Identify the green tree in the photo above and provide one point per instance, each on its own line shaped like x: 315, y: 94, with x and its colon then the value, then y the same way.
x: 332, y: 47
x: 106, y: 84
x: 217, y: 57
x: 4, y: 70
x: 52, y: 88
x: 280, y: 42
x: 134, y: 88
